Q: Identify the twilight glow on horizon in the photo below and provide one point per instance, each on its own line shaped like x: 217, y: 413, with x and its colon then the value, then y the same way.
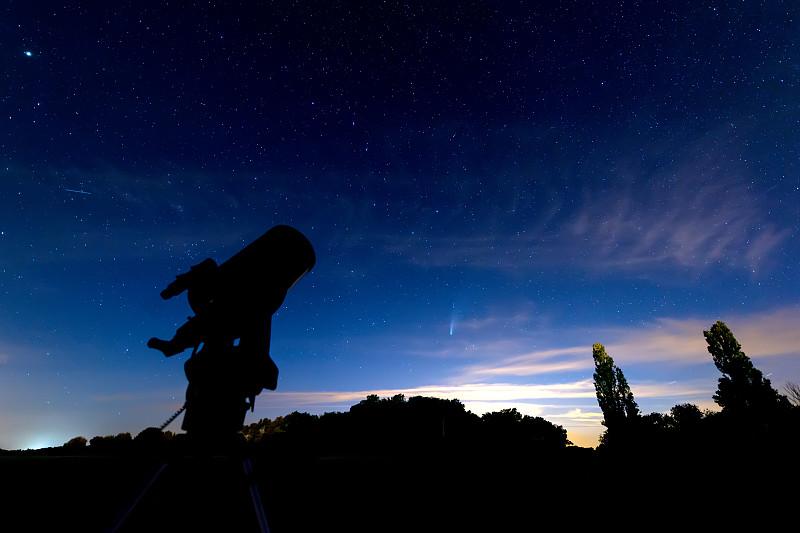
x: 490, y: 188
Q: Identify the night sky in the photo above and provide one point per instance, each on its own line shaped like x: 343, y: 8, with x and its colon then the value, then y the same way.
x: 490, y: 188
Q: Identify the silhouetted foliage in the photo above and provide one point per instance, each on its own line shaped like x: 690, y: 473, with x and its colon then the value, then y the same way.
x: 258, y: 430
x: 151, y: 440
x: 754, y: 415
x: 394, y: 422
x: 754, y: 418
x: 793, y: 393
x: 658, y: 422
x: 510, y: 427
x: 75, y: 444
x: 396, y: 425
x: 373, y: 426
x: 111, y: 444
x: 437, y: 418
x: 620, y: 410
x: 742, y: 390
x: 686, y: 417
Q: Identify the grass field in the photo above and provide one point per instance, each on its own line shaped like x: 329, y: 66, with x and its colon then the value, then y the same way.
x: 572, y: 491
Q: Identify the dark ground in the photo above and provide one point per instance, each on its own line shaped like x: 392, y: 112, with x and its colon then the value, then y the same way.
x: 392, y: 492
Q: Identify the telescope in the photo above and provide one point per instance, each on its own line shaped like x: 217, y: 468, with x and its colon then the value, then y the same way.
x: 230, y: 333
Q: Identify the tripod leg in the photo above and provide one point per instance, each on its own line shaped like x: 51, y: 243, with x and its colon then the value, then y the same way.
x: 256, y: 497
x: 115, y: 526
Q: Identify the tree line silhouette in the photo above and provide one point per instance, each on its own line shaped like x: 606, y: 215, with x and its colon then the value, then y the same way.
x: 374, y: 425
x: 418, y: 423
x: 752, y: 414
x: 754, y: 419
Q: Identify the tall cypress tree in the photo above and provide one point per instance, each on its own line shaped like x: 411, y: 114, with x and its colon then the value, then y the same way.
x: 742, y: 389
x: 613, y: 393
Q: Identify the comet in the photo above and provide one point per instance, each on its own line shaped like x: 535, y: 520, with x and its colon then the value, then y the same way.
x: 79, y: 192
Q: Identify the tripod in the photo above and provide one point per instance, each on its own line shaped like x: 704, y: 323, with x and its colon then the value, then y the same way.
x: 193, y: 506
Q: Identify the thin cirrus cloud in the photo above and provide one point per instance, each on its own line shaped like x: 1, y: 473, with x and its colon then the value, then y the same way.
x: 466, y: 392
x: 692, y: 230
x: 663, y: 344
x: 665, y: 341
x: 534, y: 363
x: 615, y: 234
x: 769, y: 334
x: 482, y: 393
x: 690, y: 215
x: 770, y: 338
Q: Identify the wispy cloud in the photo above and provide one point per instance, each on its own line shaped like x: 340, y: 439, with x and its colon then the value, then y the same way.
x: 536, y: 363
x: 23, y: 354
x: 490, y: 393
x: 664, y: 341
x: 693, y: 227
x: 467, y: 392
x: 692, y: 214
x: 772, y: 333
x: 694, y: 388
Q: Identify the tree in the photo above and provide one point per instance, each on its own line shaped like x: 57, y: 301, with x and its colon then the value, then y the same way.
x: 502, y: 418
x: 150, y: 439
x: 686, y: 417
x: 742, y: 390
x: 110, y: 443
x: 544, y: 433
x: 613, y: 393
x: 257, y: 430
x: 76, y: 443
x: 509, y: 428
x: 300, y: 426
x: 793, y: 393
x: 435, y: 419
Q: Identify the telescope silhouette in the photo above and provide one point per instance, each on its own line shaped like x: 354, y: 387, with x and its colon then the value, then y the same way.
x: 230, y: 332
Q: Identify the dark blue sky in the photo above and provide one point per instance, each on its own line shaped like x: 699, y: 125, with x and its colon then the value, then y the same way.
x: 490, y: 188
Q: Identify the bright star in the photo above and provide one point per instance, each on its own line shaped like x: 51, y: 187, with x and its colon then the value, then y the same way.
x: 28, y: 53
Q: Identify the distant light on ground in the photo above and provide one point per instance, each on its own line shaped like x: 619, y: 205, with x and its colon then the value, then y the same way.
x: 43, y: 442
